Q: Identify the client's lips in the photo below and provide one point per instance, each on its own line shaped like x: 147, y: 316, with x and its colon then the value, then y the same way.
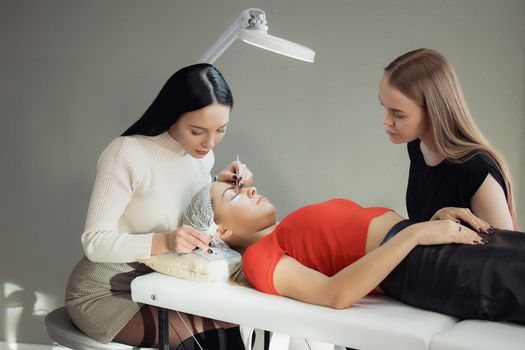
x: 202, y: 153
x: 261, y: 198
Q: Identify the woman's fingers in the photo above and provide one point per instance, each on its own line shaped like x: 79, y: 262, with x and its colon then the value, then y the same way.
x: 445, y: 231
x: 246, y: 175
x: 188, y: 238
x: 229, y: 174
x: 473, y: 221
x: 468, y: 236
x: 237, y: 172
x: 463, y: 215
x: 183, y: 247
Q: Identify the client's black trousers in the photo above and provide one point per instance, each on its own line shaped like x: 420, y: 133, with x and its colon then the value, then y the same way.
x: 466, y: 281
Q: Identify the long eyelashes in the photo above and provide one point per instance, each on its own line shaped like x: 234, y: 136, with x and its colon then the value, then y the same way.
x: 236, y: 195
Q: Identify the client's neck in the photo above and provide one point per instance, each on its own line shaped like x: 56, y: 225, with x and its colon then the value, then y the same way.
x: 243, y: 242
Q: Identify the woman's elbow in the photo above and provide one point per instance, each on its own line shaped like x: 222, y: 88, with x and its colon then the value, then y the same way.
x: 89, y: 252
x: 91, y: 256
x: 340, y: 301
x: 340, y: 304
x: 92, y: 247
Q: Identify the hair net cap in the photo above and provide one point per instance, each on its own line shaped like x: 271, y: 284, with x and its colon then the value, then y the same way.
x: 199, y: 213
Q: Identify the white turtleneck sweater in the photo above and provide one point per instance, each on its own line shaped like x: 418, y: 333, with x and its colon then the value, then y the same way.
x: 143, y: 186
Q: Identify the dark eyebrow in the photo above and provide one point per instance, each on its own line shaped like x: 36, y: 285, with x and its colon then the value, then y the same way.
x: 229, y: 188
x: 201, y: 128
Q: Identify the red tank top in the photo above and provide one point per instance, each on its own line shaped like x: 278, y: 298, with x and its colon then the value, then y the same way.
x: 326, y: 237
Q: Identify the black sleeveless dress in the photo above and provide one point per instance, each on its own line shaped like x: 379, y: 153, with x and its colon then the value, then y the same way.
x: 447, y: 184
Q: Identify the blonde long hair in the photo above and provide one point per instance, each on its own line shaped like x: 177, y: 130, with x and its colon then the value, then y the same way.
x: 237, y: 276
x: 427, y: 78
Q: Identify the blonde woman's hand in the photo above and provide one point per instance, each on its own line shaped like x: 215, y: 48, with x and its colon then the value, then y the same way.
x: 444, y: 232
x: 464, y: 215
x: 230, y: 174
x: 185, y: 239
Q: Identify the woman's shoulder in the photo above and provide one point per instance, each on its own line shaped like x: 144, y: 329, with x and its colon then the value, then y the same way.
x: 127, y: 141
x: 125, y: 144
x: 124, y: 149
x: 479, y: 165
x: 259, y: 262
x: 481, y: 159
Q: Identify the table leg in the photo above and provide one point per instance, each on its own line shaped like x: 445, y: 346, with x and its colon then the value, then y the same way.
x: 266, y: 341
x: 164, y: 338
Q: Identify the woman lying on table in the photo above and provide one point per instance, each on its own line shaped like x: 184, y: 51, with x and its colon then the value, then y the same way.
x: 336, y: 252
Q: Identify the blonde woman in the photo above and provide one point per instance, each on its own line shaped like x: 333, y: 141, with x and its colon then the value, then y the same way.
x: 335, y: 252
x: 451, y: 162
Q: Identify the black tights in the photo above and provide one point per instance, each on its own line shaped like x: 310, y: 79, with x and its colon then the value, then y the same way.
x: 214, y: 339
x: 465, y: 281
x: 142, y: 331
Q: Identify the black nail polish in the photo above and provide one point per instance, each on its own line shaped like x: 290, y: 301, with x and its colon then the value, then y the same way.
x: 234, y: 177
x: 209, y: 244
x: 210, y: 251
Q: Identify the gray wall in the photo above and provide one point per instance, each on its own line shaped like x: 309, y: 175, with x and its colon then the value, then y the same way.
x: 75, y: 74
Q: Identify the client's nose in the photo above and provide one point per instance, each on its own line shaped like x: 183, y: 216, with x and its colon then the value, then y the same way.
x: 251, y: 191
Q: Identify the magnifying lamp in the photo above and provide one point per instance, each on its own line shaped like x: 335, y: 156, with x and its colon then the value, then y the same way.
x: 251, y: 27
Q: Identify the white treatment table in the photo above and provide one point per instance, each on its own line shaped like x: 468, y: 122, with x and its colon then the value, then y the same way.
x: 376, y: 322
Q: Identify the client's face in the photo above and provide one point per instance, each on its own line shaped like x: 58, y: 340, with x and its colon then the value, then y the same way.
x: 243, y: 212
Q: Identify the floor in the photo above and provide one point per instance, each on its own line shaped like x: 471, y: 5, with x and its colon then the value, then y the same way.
x: 21, y: 346
x: 295, y: 344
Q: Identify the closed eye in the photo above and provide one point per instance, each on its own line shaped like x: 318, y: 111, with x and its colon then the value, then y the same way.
x: 235, y: 196
x: 398, y: 115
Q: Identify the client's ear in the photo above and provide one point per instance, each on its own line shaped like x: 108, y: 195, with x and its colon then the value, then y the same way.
x: 224, y: 233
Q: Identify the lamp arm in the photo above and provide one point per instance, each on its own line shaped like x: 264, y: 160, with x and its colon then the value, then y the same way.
x: 221, y: 44
x: 247, y: 19
x: 251, y: 27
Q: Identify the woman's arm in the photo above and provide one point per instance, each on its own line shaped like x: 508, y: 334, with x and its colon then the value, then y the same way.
x: 120, y: 169
x: 489, y: 203
x: 349, y: 285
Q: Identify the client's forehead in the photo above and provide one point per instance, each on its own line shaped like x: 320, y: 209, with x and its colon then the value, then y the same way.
x: 217, y: 189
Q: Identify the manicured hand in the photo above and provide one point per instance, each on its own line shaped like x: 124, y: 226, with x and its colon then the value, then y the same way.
x: 230, y: 174
x: 465, y: 216
x: 186, y: 238
x: 444, y: 232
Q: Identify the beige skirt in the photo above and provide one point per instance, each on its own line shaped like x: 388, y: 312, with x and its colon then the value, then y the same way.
x: 98, y: 297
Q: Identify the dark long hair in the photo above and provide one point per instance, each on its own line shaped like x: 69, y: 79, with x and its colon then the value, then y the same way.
x: 189, y: 89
